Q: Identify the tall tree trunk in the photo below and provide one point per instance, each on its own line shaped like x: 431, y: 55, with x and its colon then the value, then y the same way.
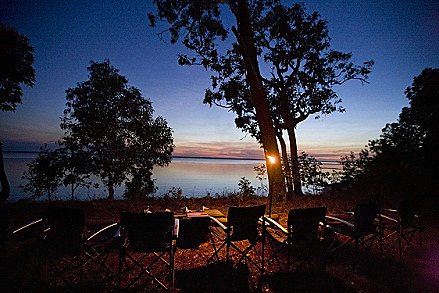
x: 245, y: 36
x: 73, y: 191
x: 286, y: 164
x: 294, y: 161
x: 110, y: 189
x: 5, y: 191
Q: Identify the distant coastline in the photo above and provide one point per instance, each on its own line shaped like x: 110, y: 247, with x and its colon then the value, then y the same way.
x: 326, y: 162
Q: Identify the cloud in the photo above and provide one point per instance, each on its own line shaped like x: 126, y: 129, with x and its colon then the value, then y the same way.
x: 242, y: 150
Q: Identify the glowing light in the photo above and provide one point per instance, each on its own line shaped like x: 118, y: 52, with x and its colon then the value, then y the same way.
x: 271, y: 159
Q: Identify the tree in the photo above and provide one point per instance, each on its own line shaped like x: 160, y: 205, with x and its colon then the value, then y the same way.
x: 200, y: 25
x: 76, y: 165
x: 300, y: 82
x: 44, y: 175
x: 246, y: 189
x: 312, y: 174
x: 111, y: 122
x: 303, y: 71
x: 16, y: 60
x: 404, y: 159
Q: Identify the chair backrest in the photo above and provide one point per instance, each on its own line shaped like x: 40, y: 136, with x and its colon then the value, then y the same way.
x: 244, y: 221
x: 193, y: 232
x: 364, y: 216
x: 66, y: 228
x: 303, y: 224
x: 148, y: 232
x: 407, y: 211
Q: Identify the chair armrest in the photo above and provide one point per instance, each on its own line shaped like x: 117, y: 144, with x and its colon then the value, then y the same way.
x: 216, y: 221
x: 339, y: 221
x: 276, y: 224
x: 101, y: 230
x: 176, y: 228
x: 31, y: 224
x: 388, y: 218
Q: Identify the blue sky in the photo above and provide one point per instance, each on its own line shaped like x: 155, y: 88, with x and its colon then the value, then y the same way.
x: 401, y: 36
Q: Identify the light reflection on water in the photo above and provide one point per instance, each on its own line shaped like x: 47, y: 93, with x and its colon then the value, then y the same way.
x: 197, y: 177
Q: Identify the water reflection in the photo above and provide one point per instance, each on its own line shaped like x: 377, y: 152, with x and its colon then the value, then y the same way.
x: 196, y: 177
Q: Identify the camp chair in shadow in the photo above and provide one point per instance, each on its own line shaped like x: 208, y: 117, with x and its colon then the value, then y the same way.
x: 61, y: 248
x: 403, y: 225
x: 193, y: 231
x: 362, y: 227
x: 99, y: 246
x: 147, y: 249
x: 303, y: 239
x: 242, y: 225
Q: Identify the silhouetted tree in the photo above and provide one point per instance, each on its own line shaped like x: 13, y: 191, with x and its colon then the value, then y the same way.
x: 77, y: 165
x: 300, y: 82
x: 44, y: 175
x: 200, y: 26
x: 311, y: 172
x: 404, y: 160
x: 114, y: 125
x: 16, y: 60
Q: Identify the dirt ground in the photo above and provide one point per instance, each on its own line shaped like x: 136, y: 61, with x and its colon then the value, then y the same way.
x: 346, y: 270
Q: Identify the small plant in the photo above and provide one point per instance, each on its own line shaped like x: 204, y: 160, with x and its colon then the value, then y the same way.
x: 174, y: 193
x: 261, y: 175
x: 246, y: 189
x: 44, y: 175
x: 312, y: 174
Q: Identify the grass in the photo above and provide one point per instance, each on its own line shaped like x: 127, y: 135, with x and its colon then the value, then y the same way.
x: 346, y: 271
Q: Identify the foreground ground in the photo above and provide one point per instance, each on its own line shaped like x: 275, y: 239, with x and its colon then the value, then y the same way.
x: 416, y: 272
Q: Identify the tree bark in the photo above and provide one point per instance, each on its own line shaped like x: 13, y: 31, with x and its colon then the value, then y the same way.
x: 297, y: 183
x: 286, y: 164
x: 5, y: 191
x: 245, y: 37
x: 110, y: 189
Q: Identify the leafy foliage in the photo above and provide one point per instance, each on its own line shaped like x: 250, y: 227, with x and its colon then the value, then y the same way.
x: 261, y: 175
x: 175, y: 193
x: 312, y: 175
x: 16, y: 67
x: 114, y: 125
x: 44, y: 175
x: 233, y: 62
x: 301, y: 74
x: 77, y: 166
x: 246, y: 189
x: 141, y: 185
x: 404, y: 160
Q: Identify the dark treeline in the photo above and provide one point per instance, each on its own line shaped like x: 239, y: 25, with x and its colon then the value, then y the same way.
x: 403, y: 161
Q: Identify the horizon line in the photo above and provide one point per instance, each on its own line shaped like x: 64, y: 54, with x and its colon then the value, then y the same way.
x: 187, y: 157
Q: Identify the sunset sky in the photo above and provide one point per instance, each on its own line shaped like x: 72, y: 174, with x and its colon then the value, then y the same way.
x: 402, y: 37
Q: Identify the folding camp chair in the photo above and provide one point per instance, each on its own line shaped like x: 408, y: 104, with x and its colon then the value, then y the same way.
x: 360, y: 227
x: 242, y: 225
x: 403, y: 223
x: 61, y: 248
x: 99, y: 246
x: 147, y: 247
x: 193, y: 231
x: 303, y: 239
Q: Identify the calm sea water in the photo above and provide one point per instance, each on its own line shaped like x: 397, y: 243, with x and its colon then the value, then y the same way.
x: 195, y: 176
